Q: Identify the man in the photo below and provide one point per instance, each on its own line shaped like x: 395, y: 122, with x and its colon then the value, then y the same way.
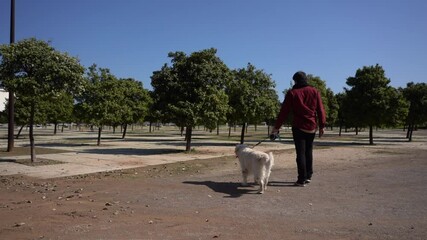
x: 305, y: 104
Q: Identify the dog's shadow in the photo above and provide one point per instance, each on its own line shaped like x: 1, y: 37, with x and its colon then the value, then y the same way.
x: 233, y: 190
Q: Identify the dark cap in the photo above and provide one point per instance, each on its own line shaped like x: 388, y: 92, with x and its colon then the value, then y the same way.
x: 300, y: 77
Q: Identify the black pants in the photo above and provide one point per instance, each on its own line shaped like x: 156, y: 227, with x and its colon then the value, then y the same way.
x: 304, y: 148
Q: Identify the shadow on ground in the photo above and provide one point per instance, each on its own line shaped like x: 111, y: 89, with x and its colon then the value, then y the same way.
x: 133, y: 151
x: 231, y: 189
x: 235, y: 190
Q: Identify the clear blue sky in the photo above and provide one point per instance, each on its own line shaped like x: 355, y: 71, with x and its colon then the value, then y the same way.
x: 327, y: 38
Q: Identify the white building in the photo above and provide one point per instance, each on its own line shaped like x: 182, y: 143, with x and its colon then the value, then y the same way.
x: 3, y: 99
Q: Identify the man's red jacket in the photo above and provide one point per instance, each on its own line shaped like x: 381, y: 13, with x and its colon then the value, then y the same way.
x: 305, y: 104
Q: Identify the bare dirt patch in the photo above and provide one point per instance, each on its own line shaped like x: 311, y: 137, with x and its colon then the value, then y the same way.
x: 25, y: 151
x: 357, y: 193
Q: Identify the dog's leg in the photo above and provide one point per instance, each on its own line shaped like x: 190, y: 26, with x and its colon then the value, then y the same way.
x: 267, y: 177
x: 259, y: 179
x: 261, y: 183
x: 268, y: 169
x: 245, y: 173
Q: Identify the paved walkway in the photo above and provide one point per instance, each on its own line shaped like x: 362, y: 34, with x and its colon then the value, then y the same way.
x: 137, y: 151
x: 84, y: 163
x: 113, y: 154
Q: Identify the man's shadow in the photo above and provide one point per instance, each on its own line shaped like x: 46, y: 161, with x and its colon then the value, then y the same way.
x: 235, y: 190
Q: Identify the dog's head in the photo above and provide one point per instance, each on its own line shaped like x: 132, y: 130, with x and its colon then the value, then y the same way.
x: 239, y: 147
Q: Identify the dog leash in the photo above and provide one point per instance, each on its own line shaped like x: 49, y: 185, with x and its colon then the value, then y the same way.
x: 272, y: 137
x: 260, y: 142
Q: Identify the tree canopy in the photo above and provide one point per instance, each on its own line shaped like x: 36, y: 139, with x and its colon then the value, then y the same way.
x: 252, y: 97
x: 373, y: 101
x: 192, y: 90
x: 416, y: 95
x: 111, y: 101
x: 35, y: 71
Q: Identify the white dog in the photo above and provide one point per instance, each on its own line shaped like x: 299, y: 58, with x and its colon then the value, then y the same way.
x: 255, y: 162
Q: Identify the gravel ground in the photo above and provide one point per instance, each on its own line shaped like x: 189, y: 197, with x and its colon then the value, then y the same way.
x: 358, y: 192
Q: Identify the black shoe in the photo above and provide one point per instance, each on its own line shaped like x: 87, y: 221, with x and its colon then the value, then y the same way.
x: 299, y: 184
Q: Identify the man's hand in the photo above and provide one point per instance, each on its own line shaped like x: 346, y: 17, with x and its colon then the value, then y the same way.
x: 321, y: 132
x: 275, y: 131
x: 274, y: 134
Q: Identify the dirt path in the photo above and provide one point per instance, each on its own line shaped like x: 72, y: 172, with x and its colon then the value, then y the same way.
x: 357, y: 193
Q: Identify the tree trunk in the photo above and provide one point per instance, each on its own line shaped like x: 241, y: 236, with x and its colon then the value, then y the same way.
x: 99, y: 136
x: 371, y: 137
x: 32, y: 145
x: 340, y: 131
x: 151, y: 124
x: 182, y: 132
x: 217, y: 129
x: 410, y: 130
x: 11, y: 111
x: 19, y: 132
x: 125, y: 127
x: 54, y: 129
x: 229, y: 131
x: 242, y: 135
x: 62, y: 129
x: 188, y: 133
x: 357, y: 131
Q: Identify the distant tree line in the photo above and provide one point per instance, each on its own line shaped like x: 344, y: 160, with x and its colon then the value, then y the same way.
x: 196, y: 89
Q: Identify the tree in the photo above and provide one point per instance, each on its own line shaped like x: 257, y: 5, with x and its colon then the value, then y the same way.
x: 252, y: 97
x: 154, y: 110
x: 136, y: 101
x: 191, y: 91
x: 320, y: 85
x: 332, y: 105
x: 34, y: 70
x: 350, y: 110
x: 416, y: 95
x: 22, y: 112
x: 372, y: 98
x: 59, y: 109
x: 397, y: 108
x: 328, y: 98
x: 270, y: 107
x: 100, y: 103
x: 341, y: 118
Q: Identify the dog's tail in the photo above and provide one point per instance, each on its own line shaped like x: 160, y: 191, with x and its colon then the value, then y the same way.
x: 270, y: 158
